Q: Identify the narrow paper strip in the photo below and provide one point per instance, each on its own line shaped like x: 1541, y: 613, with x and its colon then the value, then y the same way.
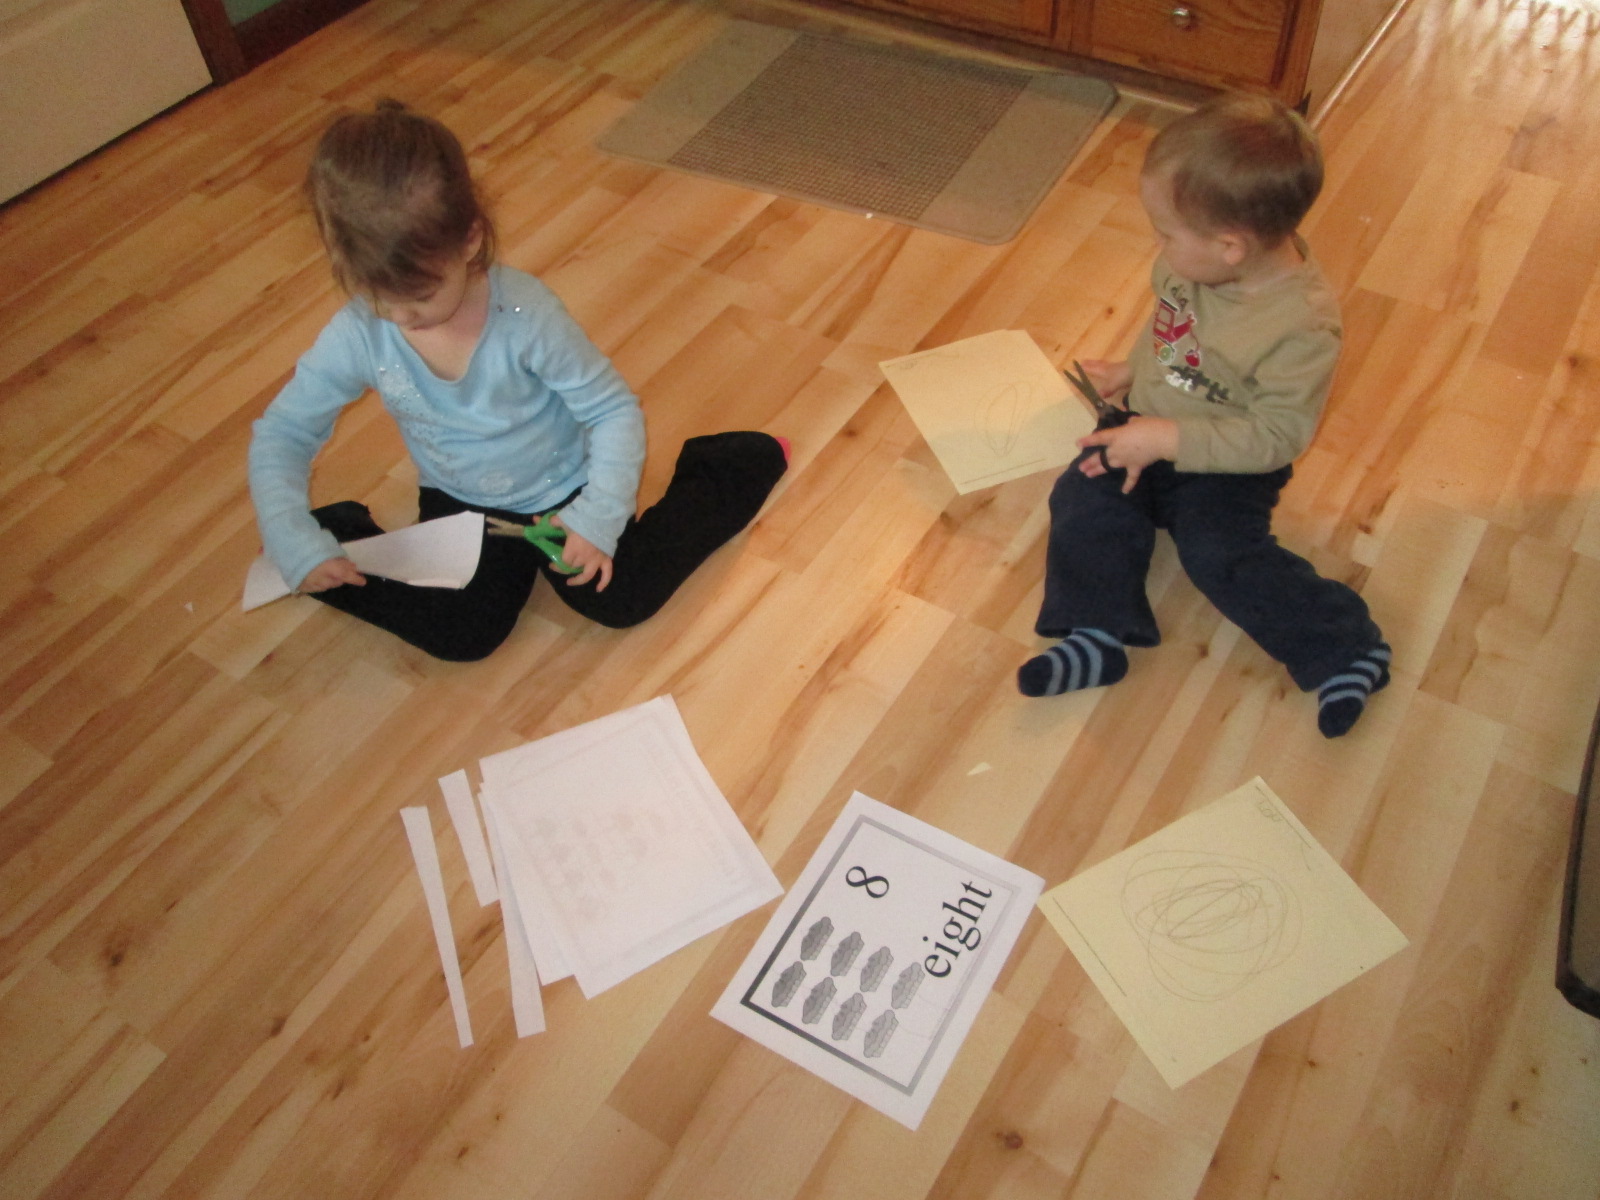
x: 527, y: 1003
x: 419, y: 831
x: 464, y: 816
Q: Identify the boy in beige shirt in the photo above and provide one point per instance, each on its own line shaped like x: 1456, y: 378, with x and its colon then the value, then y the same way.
x: 1226, y: 386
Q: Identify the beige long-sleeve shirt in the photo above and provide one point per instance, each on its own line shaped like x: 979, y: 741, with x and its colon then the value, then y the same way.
x: 1244, y: 373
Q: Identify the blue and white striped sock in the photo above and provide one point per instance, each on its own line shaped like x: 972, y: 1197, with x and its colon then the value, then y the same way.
x: 1085, y: 658
x: 1343, y: 697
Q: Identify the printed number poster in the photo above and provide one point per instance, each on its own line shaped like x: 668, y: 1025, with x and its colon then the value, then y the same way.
x: 874, y: 967
x: 1213, y: 931
x: 992, y: 407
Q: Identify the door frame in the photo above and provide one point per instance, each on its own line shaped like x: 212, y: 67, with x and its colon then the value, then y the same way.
x: 231, y: 50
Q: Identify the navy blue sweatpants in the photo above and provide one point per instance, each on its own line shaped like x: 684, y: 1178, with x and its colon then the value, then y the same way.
x: 1099, y: 554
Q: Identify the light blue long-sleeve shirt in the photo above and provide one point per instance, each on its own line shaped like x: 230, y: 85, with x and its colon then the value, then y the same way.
x: 539, y: 413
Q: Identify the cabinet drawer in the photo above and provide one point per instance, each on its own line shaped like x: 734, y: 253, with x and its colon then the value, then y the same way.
x: 1025, y: 16
x: 1213, y: 40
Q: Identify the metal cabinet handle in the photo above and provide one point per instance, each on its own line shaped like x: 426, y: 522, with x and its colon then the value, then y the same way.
x: 1183, y: 17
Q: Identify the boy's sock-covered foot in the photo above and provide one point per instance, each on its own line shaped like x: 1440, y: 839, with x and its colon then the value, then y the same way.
x: 1343, y: 698
x: 1085, y: 658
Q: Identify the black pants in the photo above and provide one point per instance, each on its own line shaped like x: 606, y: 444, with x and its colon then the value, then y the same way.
x: 717, y: 488
x: 1099, y: 554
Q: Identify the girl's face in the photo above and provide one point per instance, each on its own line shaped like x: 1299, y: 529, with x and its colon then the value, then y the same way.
x: 1204, y: 258
x: 439, y: 304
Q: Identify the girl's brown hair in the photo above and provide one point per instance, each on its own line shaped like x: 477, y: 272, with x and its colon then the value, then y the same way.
x: 393, y: 196
x: 1240, y: 162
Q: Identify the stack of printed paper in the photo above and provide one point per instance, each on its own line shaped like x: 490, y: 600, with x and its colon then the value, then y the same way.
x: 614, y: 848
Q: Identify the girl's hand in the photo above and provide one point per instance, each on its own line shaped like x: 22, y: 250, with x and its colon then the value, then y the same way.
x: 1111, y: 379
x: 332, y: 573
x: 1131, y: 447
x: 578, y: 551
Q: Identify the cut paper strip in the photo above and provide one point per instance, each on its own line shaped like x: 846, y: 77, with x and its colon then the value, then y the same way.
x: 464, y: 816
x: 532, y: 927
x: 1210, y: 933
x: 875, y: 965
x: 440, y: 553
x: 618, y: 845
x: 527, y: 1004
x: 419, y: 832
x: 992, y: 408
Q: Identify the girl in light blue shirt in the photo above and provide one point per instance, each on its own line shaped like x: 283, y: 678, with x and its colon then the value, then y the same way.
x: 505, y: 405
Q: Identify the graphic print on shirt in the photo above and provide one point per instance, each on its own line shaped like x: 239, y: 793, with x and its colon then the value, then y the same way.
x: 1176, y: 343
x: 1174, y: 330
x: 405, y: 400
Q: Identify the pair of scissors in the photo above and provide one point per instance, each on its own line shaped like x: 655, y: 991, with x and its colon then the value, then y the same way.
x: 1108, y: 415
x: 545, y: 535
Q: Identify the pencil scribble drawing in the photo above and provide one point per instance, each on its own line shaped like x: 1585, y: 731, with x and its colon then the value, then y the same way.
x: 1000, y: 416
x: 1210, y: 924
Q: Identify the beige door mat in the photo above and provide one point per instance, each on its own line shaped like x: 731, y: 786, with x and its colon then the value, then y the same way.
x: 955, y: 145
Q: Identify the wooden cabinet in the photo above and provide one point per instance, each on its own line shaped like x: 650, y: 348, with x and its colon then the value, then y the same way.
x: 1035, y: 17
x: 1239, y: 42
x: 1297, y: 50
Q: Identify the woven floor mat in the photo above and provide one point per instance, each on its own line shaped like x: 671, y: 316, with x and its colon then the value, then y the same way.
x: 956, y: 145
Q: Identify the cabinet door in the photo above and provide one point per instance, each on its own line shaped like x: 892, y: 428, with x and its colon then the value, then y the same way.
x: 1027, y: 16
x: 74, y: 75
x: 1221, y: 41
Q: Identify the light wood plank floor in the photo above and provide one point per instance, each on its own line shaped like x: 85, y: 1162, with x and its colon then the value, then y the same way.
x: 217, y: 977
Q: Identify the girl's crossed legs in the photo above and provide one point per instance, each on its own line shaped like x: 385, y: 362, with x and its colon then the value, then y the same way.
x: 718, y: 486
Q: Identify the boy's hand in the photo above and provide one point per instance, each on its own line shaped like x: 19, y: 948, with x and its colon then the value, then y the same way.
x: 578, y: 551
x: 1111, y: 379
x: 332, y: 573
x: 1131, y: 447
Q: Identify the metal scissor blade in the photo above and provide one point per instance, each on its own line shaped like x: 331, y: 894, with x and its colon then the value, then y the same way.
x: 1079, y: 378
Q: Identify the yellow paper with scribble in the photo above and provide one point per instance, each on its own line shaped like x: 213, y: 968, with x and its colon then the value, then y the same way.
x: 1212, y: 932
x: 991, y: 407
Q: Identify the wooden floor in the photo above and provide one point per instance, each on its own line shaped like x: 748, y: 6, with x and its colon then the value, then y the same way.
x: 217, y: 977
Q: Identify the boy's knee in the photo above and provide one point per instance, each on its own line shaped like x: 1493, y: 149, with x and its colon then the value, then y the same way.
x: 1074, y: 491
x: 1209, y: 560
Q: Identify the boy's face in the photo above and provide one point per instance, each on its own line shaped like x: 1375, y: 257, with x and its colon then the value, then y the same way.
x: 1205, y: 258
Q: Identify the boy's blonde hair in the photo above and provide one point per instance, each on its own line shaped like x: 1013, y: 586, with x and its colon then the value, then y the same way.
x: 393, y: 197
x: 1240, y: 162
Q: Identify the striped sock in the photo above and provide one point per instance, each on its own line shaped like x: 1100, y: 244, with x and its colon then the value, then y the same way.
x: 1343, y: 698
x: 1085, y: 658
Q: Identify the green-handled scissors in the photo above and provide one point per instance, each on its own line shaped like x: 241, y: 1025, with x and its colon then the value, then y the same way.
x: 546, y: 536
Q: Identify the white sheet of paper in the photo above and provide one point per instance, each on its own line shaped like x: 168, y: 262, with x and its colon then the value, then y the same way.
x: 419, y: 832
x: 1210, y: 933
x: 464, y: 817
x: 440, y: 553
x: 616, y: 838
x: 875, y: 965
x: 992, y: 407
